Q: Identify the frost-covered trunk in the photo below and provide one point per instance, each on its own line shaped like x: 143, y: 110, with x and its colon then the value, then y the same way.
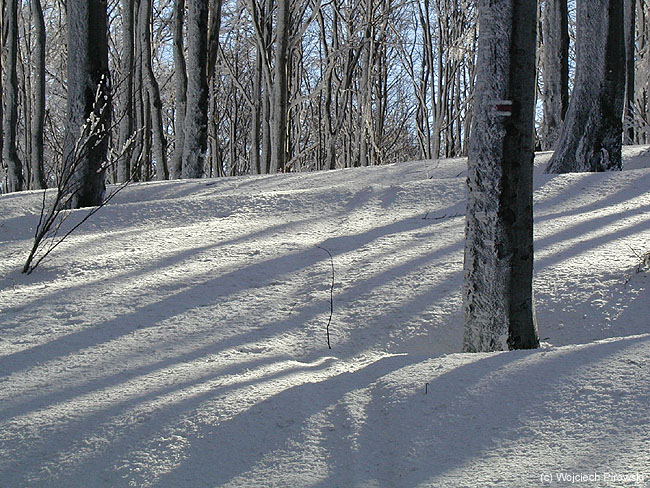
x: 15, y: 179
x: 255, y: 117
x: 630, y: 48
x: 158, y: 141
x: 280, y: 100
x: 196, y: 117
x: 180, y: 75
x: 87, y: 76
x: 498, y: 298
x: 555, y: 70
x: 38, y: 106
x: 126, y: 125
x: 591, y: 137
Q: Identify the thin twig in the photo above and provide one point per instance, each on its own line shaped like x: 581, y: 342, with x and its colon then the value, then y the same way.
x: 329, y: 345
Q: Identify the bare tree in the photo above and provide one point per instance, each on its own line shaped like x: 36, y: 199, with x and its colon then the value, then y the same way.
x: 154, y: 108
x: 127, y: 122
x: 15, y: 178
x: 555, y: 70
x: 180, y: 75
x: 87, y: 75
x: 196, y: 118
x: 630, y: 52
x: 280, y: 88
x: 591, y: 136
x: 38, y: 109
x: 498, y: 298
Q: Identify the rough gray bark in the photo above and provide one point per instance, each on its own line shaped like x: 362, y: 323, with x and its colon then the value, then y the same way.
x: 630, y: 24
x: 214, y: 150
x: 38, y: 107
x: 180, y: 74
x: 127, y: 123
x: 88, y: 75
x: 498, y: 298
x: 15, y: 179
x: 555, y: 70
x: 256, y: 119
x: 280, y: 95
x: 159, y: 143
x: 196, y: 118
x: 591, y: 137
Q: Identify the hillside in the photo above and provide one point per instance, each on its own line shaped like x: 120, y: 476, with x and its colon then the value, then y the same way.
x: 178, y: 338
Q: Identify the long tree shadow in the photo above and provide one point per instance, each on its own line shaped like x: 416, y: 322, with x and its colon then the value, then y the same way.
x: 268, y: 438
x: 589, y: 226
x: 306, y: 313
x: 581, y: 185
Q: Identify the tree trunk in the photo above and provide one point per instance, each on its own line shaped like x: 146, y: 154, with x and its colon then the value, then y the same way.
x: 15, y: 179
x: 555, y: 70
x: 255, y: 161
x: 280, y: 98
x: 630, y: 45
x: 180, y: 73
x: 498, y: 299
x: 196, y: 118
x: 158, y: 146
x: 591, y: 137
x: 127, y: 123
x: 88, y: 93
x: 38, y: 113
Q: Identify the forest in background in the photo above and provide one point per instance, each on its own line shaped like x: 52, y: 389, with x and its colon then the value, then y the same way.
x: 281, y: 85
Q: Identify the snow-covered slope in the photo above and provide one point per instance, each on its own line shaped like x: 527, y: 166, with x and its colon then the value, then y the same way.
x: 178, y: 338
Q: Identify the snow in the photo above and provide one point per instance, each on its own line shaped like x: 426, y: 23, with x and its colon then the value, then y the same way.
x: 177, y: 339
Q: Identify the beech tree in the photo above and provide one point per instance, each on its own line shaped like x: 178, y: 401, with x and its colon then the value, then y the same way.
x: 591, y: 136
x: 180, y: 75
x: 38, y: 115
x: 15, y: 178
x: 555, y: 70
x: 498, y: 295
x: 88, y: 95
x: 196, y: 116
x: 152, y: 91
x: 127, y: 123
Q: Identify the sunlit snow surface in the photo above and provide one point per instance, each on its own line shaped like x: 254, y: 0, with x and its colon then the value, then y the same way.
x: 177, y: 339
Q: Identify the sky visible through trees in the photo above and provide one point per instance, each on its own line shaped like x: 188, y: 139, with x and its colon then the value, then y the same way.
x: 367, y: 82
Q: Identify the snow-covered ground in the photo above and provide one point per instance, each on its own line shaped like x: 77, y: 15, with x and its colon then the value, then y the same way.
x: 178, y: 338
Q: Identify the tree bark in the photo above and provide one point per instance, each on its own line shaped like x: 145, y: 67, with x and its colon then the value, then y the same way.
x: 498, y: 298
x: 591, y: 136
x: 196, y: 118
x: 280, y: 98
x: 630, y: 46
x: 15, y: 179
x: 180, y: 73
x: 88, y: 93
x: 159, y: 143
x: 555, y: 70
x: 38, y: 108
x: 127, y: 122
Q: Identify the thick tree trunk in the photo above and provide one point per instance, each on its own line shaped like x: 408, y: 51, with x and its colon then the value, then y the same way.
x: 555, y: 70
x: 15, y: 179
x: 88, y: 76
x: 591, y: 137
x: 127, y: 123
x: 196, y: 118
x: 498, y: 299
x: 180, y: 73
